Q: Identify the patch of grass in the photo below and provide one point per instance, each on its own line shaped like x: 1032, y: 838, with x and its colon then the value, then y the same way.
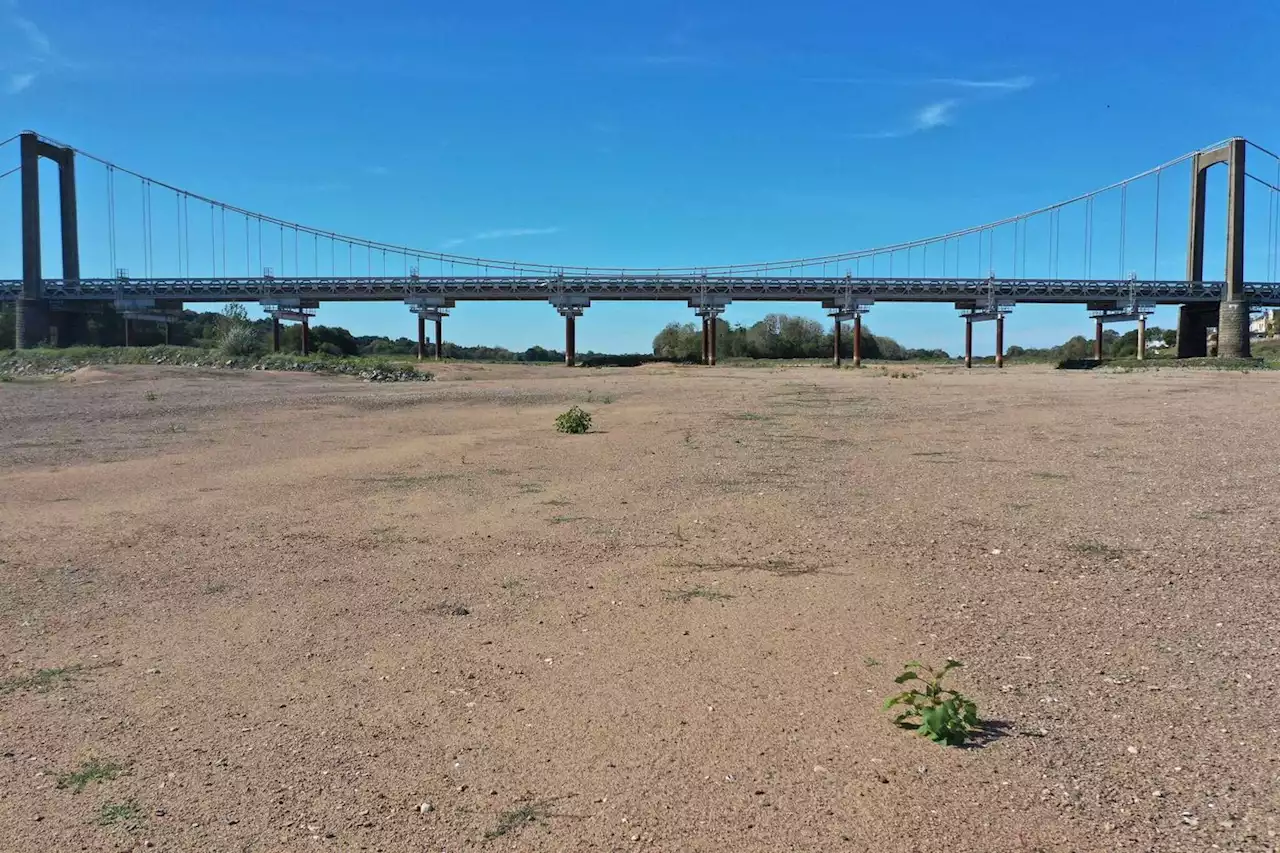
x: 511, y: 583
x: 564, y: 519
x: 747, y: 416
x: 126, y: 813
x: 151, y: 396
x: 690, y: 593
x: 6, y: 377
x: 519, y: 816
x: 557, y: 502
x: 412, y: 481
x: 44, y: 680
x: 869, y: 662
x: 172, y: 429
x: 1098, y: 549
x: 932, y: 453
x: 215, y: 587
x: 576, y: 421
x: 531, y: 488
x: 1049, y: 475
x: 91, y: 770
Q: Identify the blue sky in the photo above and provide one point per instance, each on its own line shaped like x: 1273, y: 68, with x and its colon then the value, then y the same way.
x: 626, y: 134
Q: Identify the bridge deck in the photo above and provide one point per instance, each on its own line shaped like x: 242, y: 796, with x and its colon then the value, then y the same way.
x: 697, y: 289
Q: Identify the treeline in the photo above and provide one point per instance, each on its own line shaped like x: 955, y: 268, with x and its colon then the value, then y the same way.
x: 781, y: 336
x: 1114, y: 345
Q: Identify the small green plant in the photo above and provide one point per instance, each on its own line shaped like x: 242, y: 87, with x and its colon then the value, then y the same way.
x: 942, y: 715
x: 151, y: 396
x: 575, y: 421
x: 44, y: 680
x: 127, y: 812
x: 92, y: 770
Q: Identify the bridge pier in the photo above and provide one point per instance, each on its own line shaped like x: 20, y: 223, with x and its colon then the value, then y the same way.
x: 1142, y: 338
x: 275, y: 334
x: 1097, y: 339
x: 1193, y: 330
x: 835, y: 337
x: 34, y: 315
x: 306, y: 335
x: 439, y: 337
x: 422, y: 337
x: 1233, y: 311
x: 999, y: 340
x: 570, y: 307
x: 710, y: 311
x: 968, y: 342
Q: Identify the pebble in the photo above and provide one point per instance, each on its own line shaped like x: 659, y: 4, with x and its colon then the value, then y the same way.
x: 1133, y: 750
x: 425, y: 807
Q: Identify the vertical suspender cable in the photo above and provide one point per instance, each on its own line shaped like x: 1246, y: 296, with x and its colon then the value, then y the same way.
x: 1155, y: 261
x: 213, y: 240
x: 111, y: 217
x: 186, y: 228
x: 1124, y: 208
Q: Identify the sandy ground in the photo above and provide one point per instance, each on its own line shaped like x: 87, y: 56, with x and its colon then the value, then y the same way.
x: 293, y: 609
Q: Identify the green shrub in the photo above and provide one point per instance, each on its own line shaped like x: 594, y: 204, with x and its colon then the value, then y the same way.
x: 238, y: 341
x: 942, y: 715
x: 575, y: 421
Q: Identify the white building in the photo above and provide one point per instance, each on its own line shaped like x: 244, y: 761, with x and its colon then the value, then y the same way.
x: 1266, y: 325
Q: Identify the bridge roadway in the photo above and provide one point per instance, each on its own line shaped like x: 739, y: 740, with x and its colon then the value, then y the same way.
x: 695, y: 289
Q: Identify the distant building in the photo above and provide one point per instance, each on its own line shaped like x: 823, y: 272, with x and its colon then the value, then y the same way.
x: 1266, y: 325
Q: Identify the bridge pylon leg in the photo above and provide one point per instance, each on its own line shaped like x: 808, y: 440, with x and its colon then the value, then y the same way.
x: 1000, y: 341
x: 570, y: 341
x: 439, y: 338
x: 857, y: 340
x: 706, y: 341
x: 128, y: 332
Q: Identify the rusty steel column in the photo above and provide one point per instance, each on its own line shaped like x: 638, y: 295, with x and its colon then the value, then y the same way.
x: 712, y: 341
x: 275, y: 334
x: 570, y: 344
x: 968, y: 342
x: 1097, y: 340
x: 439, y: 338
x: 306, y: 337
x: 999, y: 340
x: 706, y: 349
x: 835, y: 334
x: 857, y: 340
x: 1142, y: 338
x: 422, y: 337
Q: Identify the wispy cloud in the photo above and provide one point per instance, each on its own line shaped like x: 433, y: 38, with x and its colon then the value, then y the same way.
x: 929, y: 117
x: 500, y: 234
x: 23, y: 68
x: 19, y: 81
x: 1005, y: 84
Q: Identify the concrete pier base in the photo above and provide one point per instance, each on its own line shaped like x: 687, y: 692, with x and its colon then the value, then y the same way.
x: 1233, y: 329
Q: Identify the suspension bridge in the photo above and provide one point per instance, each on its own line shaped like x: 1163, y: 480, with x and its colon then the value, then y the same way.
x: 213, y: 251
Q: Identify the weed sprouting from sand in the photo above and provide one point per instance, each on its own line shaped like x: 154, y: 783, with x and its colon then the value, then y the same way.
x: 870, y: 662
x: 91, y: 770
x: 151, y: 396
x: 564, y: 519
x: 690, y: 593
x: 575, y: 421
x: 1049, y: 475
x: 126, y: 813
x: 938, y: 713
x: 519, y: 816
